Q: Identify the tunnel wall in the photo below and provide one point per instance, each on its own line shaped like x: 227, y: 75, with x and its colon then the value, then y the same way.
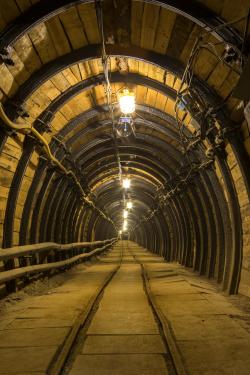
x: 206, y: 226
x: 199, y: 226
x: 244, y: 203
x: 187, y: 232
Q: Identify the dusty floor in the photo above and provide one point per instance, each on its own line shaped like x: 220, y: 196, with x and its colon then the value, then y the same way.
x: 212, y: 331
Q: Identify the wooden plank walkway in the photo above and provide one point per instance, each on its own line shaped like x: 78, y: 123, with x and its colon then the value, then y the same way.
x: 122, y: 335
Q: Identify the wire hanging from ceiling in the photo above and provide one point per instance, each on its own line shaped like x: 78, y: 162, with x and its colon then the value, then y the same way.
x: 108, y: 89
x: 28, y: 129
x: 206, y: 115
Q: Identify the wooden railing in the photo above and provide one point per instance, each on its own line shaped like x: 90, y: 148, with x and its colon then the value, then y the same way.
x: 46, y: 256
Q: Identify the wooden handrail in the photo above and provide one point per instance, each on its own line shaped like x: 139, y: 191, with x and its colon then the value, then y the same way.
x: 6, y: 276
x: 18, y: 251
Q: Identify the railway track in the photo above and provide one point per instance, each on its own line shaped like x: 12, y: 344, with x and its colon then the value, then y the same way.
x: 122, y: 330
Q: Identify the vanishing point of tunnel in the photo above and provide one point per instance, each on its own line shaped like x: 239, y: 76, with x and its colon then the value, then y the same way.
x: 125, y: 187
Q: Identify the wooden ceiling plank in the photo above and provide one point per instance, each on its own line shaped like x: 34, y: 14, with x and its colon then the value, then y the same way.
x: 141, y: 93
x: 9, y: 11
x: 117, y: 87
x: 85, y: 69
x: 151, y: 97
x: 5, y: 181
x: 59, y: 121
x: 42, y: 42
x: 161, y: 101
x: 73, y: 28
x: 51, y: 90
x: 71, y: 78
x: 155, y: 72
x: 149, y: 25
x: 27, y: 54
x: 58, y: 36
x: 133, y: 65
x: 18, y: 70
x: 187, y: 119
x: 66, y: 111
x: 170, y: 80
x: 7, y: 83
x: 60, y: 82
x: 207, y: 61
x: 4, y: 192
x: 113, y: 64
x: 98, y: 92
x: 121, y: 21
x: 33, y: 109
x: 81, y: 103
x: 13, y: 147
x: 179, y: 36
x: 177, y: 84
x: 143, y: 68
x: 169, y: 108
x: 218, y: 76
x: 41, y: 100
x: 230, y: 82
x: 75, y: 70
x: 82, y: 70
x: 136, y: 21
x: 231, y: 12
x: 34, y: 160
x: 88, y: 16
x: 164, y: 30
x: 8, y: 162
x: 205, y: 65
x: 184, y: 56
x: 23, y: 5
x: 94, y: 67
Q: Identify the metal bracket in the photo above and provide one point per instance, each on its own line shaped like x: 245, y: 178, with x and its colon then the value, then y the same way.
x: 5, y: 57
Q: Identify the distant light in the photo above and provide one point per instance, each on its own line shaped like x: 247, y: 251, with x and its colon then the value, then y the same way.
x: 129, y: 205
x: 127, y: 102
x: 126, y: 183
x: 125, y: 223
x: 120, y: 231
x: 125, y: 214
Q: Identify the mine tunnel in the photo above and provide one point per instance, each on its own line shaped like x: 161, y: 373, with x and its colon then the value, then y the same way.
x: 124, y: 187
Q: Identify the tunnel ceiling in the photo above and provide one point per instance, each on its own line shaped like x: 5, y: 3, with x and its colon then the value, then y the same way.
x: 52, y: 78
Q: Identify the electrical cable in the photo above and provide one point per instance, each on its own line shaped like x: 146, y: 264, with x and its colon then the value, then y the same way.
x: 27, y: 129
x: 105, y: 63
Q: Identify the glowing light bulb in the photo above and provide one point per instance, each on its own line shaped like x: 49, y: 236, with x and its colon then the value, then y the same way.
x: 129, y: 205
x: 126, y: 183
x: 125, y: 214
x: 125, y: 223
x: 127, y: 102
x: 125, y: 126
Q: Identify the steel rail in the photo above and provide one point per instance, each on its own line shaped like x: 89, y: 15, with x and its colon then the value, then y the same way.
x: 57, y: 366
x: 165, y: 324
